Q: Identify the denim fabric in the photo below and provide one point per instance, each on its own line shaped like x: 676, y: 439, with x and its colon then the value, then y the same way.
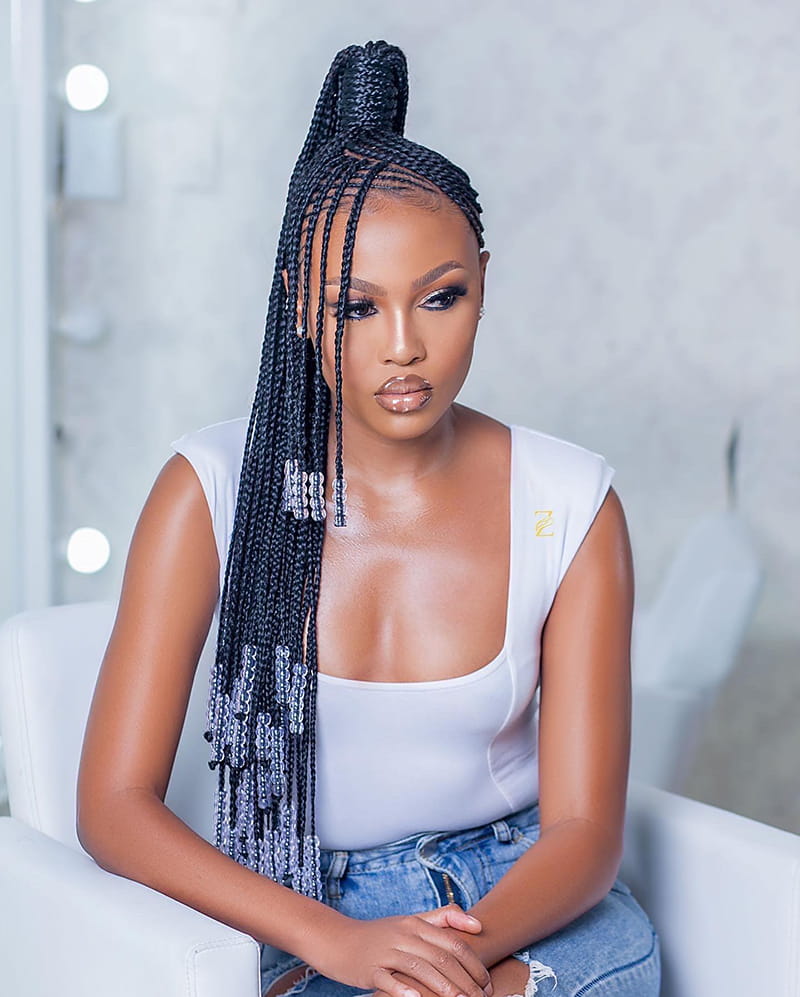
x: 611, y: 949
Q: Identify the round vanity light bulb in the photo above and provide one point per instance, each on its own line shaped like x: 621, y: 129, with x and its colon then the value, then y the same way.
x: 88, y: 550
x: 82, y: 324
x: 86, y: 87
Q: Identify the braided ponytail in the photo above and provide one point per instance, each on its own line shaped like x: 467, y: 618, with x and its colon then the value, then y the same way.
x: 261, y: 717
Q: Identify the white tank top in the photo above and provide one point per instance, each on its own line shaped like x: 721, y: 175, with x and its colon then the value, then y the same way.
x: 398, y: 758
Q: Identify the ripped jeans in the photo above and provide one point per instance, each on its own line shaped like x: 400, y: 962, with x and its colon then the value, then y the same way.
x: 610, y: 949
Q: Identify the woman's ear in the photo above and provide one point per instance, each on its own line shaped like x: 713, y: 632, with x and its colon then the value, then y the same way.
x: 484, y: 259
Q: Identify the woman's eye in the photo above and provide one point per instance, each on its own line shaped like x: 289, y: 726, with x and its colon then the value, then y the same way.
x: 445, y: 298
x: 359, y: 308
x: 355, y: 308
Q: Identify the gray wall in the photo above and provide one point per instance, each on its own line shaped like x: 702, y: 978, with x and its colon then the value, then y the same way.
x: 637, y: 167
x: 9, y: 427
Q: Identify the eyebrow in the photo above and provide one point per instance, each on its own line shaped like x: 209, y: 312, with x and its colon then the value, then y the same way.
x: 426, y: 278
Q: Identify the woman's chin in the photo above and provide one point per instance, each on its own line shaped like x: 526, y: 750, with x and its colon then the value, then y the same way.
x: 401, y: 424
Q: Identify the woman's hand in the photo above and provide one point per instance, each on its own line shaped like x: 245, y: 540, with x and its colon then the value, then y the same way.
x: 424, y: 947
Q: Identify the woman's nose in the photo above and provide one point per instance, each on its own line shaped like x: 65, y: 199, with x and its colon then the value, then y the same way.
x: 403, y: 345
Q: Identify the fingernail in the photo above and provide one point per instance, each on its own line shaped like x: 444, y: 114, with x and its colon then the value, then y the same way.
x: 473, y: 919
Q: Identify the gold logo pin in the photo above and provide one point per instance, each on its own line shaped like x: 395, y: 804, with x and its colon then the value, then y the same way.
x: 545, y: 523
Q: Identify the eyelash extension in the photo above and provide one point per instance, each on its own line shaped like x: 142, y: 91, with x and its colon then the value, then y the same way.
x: 456, y: 290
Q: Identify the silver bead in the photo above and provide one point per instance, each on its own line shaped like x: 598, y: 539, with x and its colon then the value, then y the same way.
x: 339, y: 502
x: 243, y: 686
x: 238, y: 742
x: 264, y: 856
x: 263, y: 785
x: 278, y: 854
x: 282, y: 673
x: 310, y: 877
x: 297, y: 697
x: 277, y: 760
x: 316, y: 495
x: 294, y: 498
x: 218, y: 710
x: 286, y: 496
x: 263, y: 724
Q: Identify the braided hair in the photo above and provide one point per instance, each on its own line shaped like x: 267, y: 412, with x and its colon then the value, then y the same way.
x: 261, y: 715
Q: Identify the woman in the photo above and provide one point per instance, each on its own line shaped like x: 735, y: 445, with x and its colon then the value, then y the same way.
x: 415, y: 569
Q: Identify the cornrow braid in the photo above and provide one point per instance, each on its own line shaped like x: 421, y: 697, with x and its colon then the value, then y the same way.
x: 261, y: 714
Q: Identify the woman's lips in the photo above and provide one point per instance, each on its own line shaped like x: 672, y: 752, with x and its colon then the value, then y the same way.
x: 404, y: 394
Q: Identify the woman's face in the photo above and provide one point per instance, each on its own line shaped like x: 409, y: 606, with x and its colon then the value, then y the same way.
x: 411, y: 315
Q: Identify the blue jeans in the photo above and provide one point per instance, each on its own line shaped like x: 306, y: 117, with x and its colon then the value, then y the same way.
x: 610, y: 949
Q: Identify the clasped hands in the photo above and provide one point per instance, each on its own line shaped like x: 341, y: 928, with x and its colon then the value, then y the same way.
x: 393, y: 954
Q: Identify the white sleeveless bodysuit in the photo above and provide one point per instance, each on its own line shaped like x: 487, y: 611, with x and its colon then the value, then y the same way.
x: 398, y: 758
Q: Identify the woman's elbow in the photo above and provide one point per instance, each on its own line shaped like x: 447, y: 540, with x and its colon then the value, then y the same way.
x: 101, y: 816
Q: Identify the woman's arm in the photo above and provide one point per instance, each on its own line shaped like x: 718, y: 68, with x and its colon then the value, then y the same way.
x: 584, y: 749
x: 169, y: 592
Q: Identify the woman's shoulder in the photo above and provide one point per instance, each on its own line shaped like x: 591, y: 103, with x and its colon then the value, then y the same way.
x: 215, y: 452
x: 563, y: 484
x: 217, y: 440
x: 545, y: 451
x: 536, y: 455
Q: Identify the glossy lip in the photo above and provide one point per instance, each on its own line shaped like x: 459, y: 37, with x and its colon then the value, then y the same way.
x: 404, y: 394
x: 404, y: 385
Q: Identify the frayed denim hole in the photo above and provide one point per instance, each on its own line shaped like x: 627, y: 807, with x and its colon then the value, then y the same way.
x: 537, y: 972
x: 302, y: 983
x: 269, y: 974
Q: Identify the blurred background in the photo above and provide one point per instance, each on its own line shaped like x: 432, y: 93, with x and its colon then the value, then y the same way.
x: 637, y: 165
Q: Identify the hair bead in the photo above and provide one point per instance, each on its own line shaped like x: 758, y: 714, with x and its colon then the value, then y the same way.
x: 339, y: 502
x: 282, y: 673
x: 316, y: 495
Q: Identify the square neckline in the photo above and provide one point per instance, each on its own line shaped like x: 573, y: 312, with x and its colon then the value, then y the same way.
x: 490, y: 666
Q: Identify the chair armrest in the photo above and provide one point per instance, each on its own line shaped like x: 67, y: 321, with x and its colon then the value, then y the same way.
x: 722, y: 890
x: 71, y: 928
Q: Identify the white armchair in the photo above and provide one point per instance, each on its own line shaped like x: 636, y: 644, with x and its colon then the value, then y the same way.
x: 67, y: 926
x: 722, y: 890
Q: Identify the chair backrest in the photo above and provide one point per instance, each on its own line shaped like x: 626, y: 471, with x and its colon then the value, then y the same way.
x: 691, y: 633
x: 666, y: 730
x: 686, y: 643
x: 49, y: 662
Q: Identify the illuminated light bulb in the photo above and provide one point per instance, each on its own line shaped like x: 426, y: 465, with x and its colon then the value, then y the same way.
x: 86, y: 87
x: 88, y: 550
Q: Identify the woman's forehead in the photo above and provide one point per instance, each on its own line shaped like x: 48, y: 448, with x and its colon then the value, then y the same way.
x: 391, y: 228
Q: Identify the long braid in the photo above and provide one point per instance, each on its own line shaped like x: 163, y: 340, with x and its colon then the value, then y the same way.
x: 261, y: 717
